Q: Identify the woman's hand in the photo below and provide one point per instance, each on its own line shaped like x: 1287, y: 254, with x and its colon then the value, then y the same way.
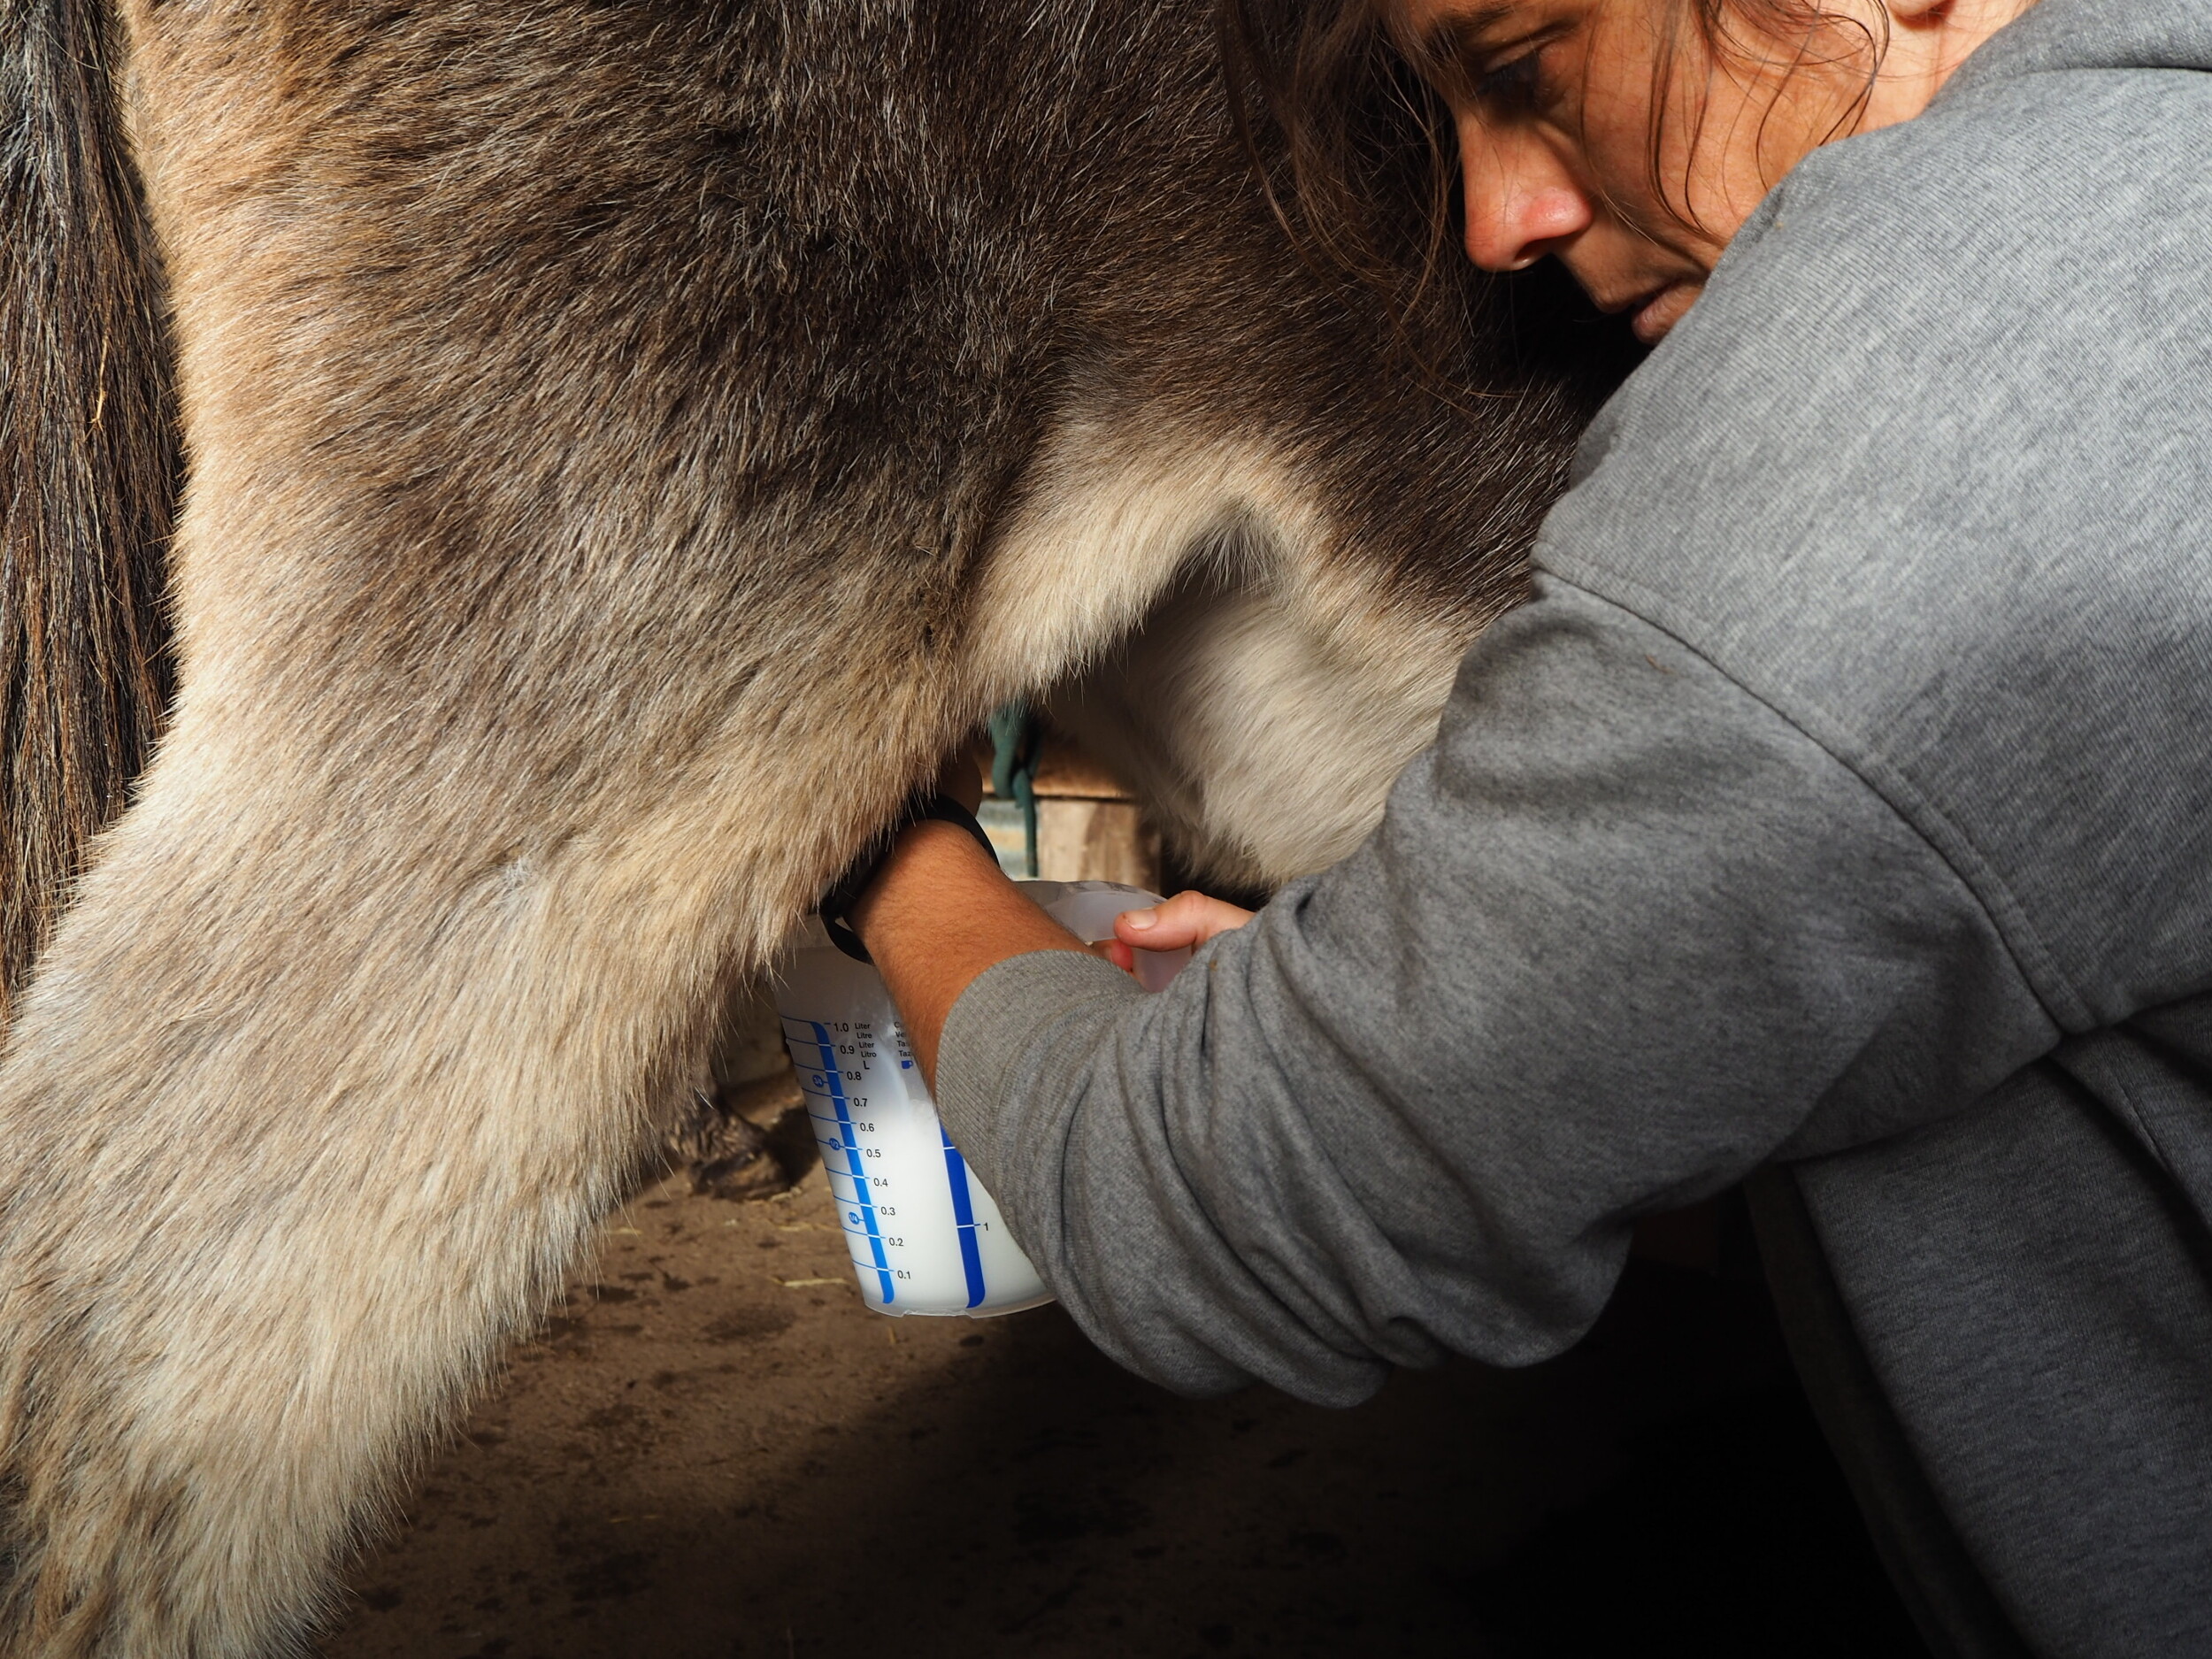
x: 1189, y: 919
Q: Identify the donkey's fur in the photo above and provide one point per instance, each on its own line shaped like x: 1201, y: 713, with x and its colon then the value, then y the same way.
x: 628, y: 443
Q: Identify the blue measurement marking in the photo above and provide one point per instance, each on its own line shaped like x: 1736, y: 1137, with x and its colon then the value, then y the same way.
x: 861, y: 1211
x: 964, y: 1217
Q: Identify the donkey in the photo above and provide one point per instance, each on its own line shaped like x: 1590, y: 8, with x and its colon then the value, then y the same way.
x: 613, y: 448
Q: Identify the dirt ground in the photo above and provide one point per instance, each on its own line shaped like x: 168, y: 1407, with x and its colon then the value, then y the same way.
x: 716, y: 1450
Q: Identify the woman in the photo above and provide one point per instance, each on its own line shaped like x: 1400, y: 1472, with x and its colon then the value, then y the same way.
x: 1840, y: 804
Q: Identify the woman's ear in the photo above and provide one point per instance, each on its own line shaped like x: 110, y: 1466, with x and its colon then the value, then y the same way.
x: 1916, y: 13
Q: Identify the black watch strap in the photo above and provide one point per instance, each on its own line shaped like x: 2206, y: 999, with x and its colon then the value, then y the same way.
x: 845, y: 892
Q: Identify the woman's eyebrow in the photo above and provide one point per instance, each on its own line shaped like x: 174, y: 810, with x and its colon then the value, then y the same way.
x: 1457, y: 37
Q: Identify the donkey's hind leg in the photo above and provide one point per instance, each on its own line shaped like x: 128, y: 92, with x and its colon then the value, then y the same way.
x: 318, y: 1092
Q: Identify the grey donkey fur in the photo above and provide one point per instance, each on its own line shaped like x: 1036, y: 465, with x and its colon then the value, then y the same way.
x: 626, y: 444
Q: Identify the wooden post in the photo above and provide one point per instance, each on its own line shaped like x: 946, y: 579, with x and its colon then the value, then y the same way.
x: 1089, y: 826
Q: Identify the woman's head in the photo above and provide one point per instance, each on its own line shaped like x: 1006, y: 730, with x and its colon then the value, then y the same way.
x: 1629, y: 138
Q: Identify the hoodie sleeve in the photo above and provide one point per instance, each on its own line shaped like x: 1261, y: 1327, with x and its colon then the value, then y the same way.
x: 1623, y: 933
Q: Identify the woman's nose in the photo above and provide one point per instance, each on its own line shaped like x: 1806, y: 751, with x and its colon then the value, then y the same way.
x: 1521, y: 205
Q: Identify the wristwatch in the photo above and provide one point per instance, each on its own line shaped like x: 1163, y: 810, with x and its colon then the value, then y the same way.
x: 845, y: 892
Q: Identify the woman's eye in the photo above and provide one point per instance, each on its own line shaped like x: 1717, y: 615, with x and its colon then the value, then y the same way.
x: 1513, y: 87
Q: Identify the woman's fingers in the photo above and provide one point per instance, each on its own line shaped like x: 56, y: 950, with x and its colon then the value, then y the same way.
x: 1189, y: 918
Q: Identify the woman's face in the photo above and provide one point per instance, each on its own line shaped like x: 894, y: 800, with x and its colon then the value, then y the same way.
x: 1584, y: 134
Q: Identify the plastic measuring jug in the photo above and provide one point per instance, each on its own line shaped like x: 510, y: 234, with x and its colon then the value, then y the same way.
x: 923, y: 1235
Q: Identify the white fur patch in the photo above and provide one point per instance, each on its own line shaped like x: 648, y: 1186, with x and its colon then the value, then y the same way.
x: 1264, y: 709
x: 1111, y: 518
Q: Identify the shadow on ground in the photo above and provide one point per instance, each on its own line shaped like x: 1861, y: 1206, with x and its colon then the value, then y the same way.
x: 717, y: 1451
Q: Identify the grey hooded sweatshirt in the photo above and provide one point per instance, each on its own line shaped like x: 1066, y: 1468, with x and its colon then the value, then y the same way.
x: 1841, y: 802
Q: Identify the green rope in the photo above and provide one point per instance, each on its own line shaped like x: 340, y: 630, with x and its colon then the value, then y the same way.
x: 1014, y: 769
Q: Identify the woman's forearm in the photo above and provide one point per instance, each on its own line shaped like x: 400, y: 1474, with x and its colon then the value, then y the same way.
x: 939, y: 913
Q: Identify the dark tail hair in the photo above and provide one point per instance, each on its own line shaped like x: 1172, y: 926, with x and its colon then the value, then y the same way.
x: 90, y: 464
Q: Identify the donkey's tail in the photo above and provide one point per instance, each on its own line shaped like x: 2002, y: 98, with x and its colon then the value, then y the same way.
x: 89, y: 464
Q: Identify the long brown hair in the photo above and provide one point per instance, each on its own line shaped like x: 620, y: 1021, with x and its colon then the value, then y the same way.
x: 1792, y: 36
